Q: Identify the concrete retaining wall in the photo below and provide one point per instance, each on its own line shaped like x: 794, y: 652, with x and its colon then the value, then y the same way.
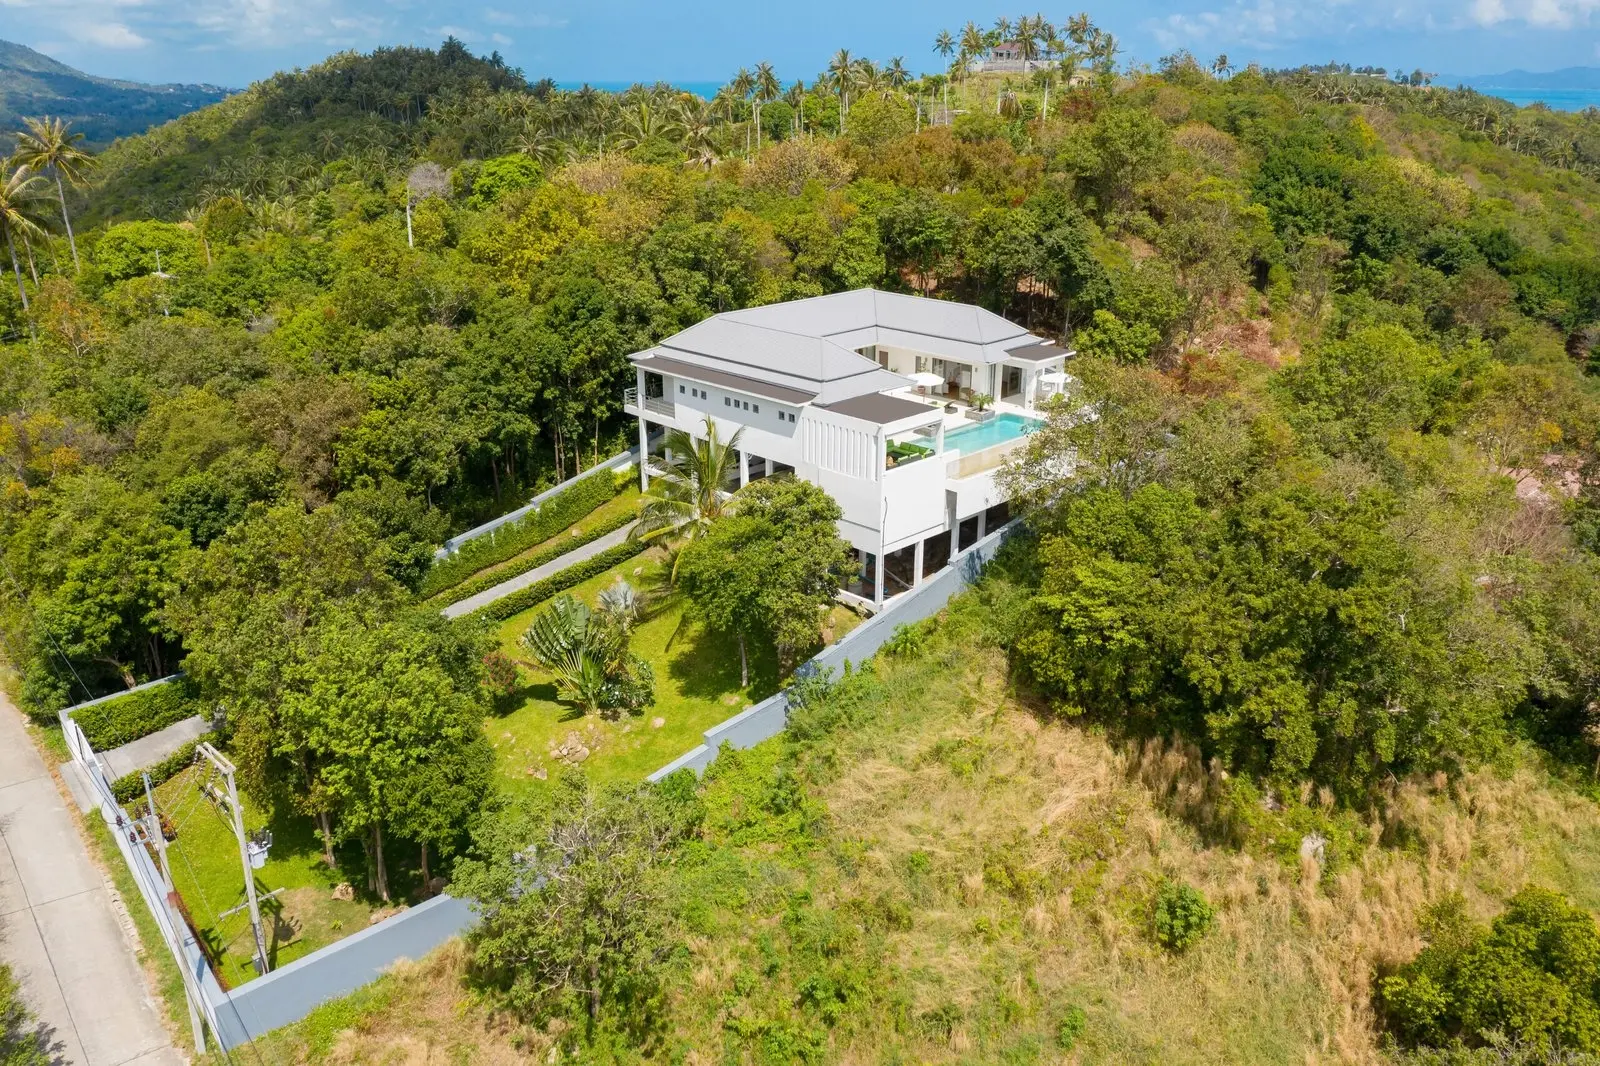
x: 765, y: 720
x: 289, y: 994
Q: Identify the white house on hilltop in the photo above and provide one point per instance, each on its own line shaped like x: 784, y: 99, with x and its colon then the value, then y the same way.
x: 870, y: 396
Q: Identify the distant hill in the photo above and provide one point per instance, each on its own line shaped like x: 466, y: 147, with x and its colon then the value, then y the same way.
x: 1569, y: 78
x: 103, y: 109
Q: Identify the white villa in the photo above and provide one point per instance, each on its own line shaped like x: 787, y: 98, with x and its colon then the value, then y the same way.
x: 869, y: 395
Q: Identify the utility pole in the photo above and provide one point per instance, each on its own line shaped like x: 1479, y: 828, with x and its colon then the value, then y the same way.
x: 153, y: 832
x: 230, y: 800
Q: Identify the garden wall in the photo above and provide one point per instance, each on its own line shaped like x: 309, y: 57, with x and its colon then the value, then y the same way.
x: 766, y: 719
x: 616, y: 462
x: 286, y: 995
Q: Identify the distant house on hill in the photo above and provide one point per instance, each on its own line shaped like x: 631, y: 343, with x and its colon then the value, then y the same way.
x: 1007, y: 58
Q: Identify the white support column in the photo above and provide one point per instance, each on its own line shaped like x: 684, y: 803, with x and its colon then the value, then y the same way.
x: 916, y: 564
x: 983, y: 519
x: 644, y: 454
x: 744, y: 468
x: 877, y: 590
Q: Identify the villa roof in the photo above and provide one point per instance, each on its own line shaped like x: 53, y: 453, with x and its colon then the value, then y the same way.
x: 809, y: 345
x: 883, y: 408
x: 1039, y: 352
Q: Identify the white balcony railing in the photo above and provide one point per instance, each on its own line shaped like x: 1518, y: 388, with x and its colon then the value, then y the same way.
x: 657, y: 404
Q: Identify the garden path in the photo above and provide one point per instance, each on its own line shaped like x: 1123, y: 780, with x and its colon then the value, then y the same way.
x: 539, y: 573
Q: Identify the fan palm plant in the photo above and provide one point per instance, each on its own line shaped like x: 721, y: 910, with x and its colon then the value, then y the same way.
x: 682, y: 503
x: 587, y: 654
x: 48, y: 144
x: 21, y: 202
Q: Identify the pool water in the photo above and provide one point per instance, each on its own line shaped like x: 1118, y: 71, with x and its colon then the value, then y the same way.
x: 980, y: 435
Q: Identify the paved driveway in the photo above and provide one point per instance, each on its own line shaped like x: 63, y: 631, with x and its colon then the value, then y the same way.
x: 59, y: 927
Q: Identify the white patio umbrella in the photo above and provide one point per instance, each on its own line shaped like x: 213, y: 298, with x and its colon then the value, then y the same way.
x: 1055, y: 377
x: 924, y: 380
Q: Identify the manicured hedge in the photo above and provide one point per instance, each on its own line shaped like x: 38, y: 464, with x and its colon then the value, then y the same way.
x: 556, y: 514
x: 489, y: 580
x: 116, y: 722
x: 540, y: 591
x: 130, y: 787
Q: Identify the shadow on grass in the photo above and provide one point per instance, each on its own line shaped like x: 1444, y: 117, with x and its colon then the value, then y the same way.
x: 705, y: 665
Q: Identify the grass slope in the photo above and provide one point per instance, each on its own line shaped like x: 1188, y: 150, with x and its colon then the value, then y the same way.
x: 965, y: 870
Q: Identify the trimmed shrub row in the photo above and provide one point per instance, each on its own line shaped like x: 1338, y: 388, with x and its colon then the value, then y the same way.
x: 540, y: 591
x: 473, y: 586
x: 130, y: 787
x: 556, y: 514
x: 116, y: 722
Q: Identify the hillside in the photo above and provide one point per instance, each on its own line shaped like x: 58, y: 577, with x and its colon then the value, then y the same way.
x: 1267, y: 741
x: 32, y: 84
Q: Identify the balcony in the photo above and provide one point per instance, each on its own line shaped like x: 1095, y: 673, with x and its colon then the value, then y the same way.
x: 659, y: 405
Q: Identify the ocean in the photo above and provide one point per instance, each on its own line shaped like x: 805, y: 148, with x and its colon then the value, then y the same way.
x: 705, y: 89
x: 1555, y: 99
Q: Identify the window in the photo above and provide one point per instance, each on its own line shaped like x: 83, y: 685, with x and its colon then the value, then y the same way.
x: 727, y: 402
x: 756, y: 409
x: 791, y: 416
x: 680, y: 389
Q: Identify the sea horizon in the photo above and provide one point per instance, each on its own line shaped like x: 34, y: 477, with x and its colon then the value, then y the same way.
x: 703, y: 89
x: 1554, y: 99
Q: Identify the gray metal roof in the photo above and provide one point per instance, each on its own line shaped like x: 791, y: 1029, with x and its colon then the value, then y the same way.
x: 663, y: 364
x: 881, y: 408
x: 808, y: 345
x: 1038, y: 352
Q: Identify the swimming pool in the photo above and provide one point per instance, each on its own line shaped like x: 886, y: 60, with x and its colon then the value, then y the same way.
x: 980, y: 435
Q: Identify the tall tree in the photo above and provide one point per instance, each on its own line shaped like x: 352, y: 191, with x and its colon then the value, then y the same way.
x: 48, y: 144
x: 20, y: 195
x: 768, y: 570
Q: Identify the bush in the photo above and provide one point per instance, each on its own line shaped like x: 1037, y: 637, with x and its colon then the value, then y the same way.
x: 1529, y: 978
x: 483, y: 581
x: 1182, y: 915
x: 1070, y: 1028
x: 540, y: 591
x: 21, y: 1041
x: 130, y: 787
x: 554, y: 515
x: 127, y: 718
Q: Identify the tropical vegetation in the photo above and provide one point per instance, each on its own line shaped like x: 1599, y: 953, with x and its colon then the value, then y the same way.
x: 1297, y: 638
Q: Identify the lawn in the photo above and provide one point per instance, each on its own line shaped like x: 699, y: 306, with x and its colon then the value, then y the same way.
x: 207, y: 873
x: 625, y: 502
x: 697, y: 686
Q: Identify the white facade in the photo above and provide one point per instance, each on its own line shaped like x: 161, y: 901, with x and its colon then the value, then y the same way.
x: 851, y: 420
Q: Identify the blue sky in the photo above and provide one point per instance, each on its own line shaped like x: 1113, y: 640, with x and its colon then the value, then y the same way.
x: 233, y: 42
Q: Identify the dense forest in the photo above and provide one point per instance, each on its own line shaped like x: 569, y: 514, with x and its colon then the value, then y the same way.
x: 1323, y: 513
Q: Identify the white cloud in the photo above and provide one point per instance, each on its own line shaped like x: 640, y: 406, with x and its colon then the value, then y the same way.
x: 532, y: 20
x: 1543, y: 14
x: 107, y: 35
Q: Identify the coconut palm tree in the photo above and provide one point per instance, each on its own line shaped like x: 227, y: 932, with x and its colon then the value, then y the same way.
x: 767, y: 89
x: 21, y: 196
x: 49, y: 145
x: 742, y: 85
x: 842, y: 73
x: 682, y: 503
x: 896, y: 74
x: 795, y: 97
